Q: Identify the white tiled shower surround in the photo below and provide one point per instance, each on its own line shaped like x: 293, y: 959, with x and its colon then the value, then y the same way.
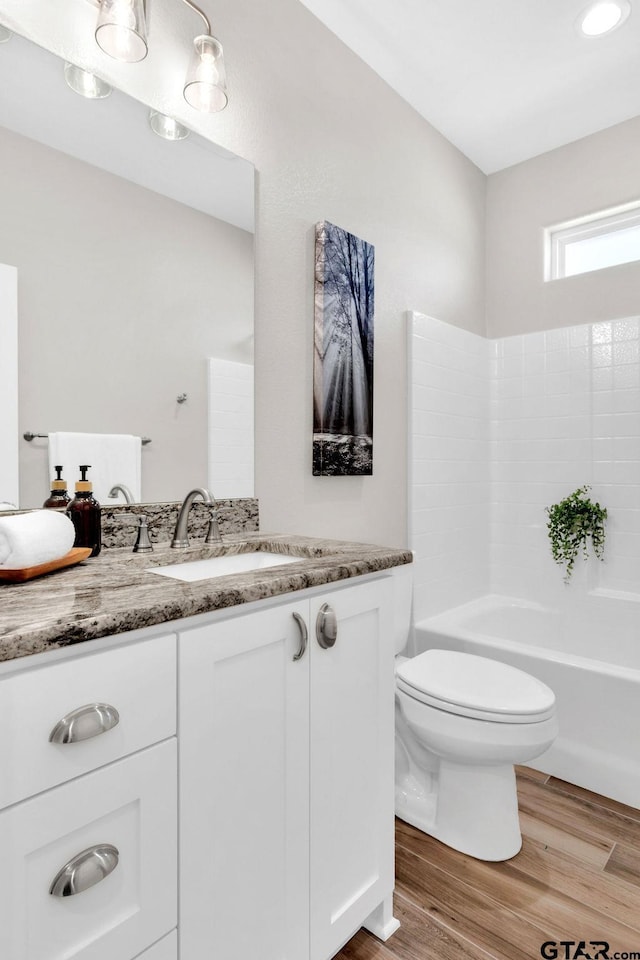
x: 230, y: 428
x: 450, y: 468
x: 501, y: 429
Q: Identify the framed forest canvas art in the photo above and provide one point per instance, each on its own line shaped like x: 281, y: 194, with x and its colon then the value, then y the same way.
x: 343, y: 354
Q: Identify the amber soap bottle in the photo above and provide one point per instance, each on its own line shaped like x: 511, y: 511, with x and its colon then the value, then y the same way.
x: 85, y: 514
x: 59, y: 499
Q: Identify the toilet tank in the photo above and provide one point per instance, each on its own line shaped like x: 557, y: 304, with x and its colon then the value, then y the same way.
x: 402, y: 605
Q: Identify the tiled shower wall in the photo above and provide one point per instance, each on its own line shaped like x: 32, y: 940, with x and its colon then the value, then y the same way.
x: 566, y: 412
x: 450, y: 493
x: 230, y: 428
x: 553, y: 411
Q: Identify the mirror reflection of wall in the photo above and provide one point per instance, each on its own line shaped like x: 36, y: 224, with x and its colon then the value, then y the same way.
x: 8, y: 387
x: 124, y: 293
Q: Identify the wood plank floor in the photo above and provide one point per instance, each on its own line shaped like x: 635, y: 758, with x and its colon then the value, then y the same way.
x: 576, y: 878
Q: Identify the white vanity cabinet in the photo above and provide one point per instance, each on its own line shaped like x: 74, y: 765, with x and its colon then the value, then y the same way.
x: 88, y: 825
x: 260, y: 737
x: 286, y: 777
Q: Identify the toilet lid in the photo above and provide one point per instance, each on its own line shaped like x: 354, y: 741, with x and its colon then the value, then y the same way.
x: 472, y: 686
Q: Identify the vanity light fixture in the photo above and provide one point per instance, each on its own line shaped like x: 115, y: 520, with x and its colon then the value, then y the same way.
x: 4, y: 34
x: 602, y: 17
x: 121, y: 30
x: 205, y: 87
x: 166, y: 127
x: 85, y: 83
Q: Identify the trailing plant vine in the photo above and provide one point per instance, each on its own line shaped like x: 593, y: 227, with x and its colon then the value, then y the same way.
x: 572, y: 523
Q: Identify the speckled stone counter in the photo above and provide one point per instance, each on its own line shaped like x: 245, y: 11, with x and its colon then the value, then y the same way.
x: 115, y: 592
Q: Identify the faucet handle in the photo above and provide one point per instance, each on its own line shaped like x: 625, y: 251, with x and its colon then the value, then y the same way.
x: 213, y: 530
x: 143, y: 543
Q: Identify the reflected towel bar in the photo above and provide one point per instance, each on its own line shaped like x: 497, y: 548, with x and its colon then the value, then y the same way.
x: 32, y: 436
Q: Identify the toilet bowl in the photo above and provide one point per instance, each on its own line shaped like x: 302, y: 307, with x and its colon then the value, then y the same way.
x: 462, y: 722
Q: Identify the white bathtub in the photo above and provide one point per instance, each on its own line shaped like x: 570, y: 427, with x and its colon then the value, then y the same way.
x: 589, y: 656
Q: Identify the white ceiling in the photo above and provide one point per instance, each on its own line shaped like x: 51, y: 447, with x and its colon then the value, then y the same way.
x: 504, y: 80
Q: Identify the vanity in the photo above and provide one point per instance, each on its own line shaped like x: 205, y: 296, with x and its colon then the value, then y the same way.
x: 199, y: 769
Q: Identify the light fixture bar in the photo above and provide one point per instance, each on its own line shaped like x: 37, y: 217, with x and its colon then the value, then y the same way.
x: 201, y: 14
x: 121, y: 33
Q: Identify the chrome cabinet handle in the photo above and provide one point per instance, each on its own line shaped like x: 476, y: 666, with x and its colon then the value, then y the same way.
x: 85, y: 870
x: 326, y: 626
x: 304, y: 636
x: 84, y: 723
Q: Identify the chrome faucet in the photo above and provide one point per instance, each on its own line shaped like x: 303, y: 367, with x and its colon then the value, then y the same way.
x: 180, y: 539
x: 124, y: 490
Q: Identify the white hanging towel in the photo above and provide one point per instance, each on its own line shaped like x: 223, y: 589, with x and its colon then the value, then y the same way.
x: 113, y: 457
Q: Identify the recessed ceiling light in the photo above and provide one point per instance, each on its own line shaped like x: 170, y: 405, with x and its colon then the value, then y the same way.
x: 603, y: 17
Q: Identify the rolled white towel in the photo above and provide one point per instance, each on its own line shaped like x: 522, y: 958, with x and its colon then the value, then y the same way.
x: 29, y: 539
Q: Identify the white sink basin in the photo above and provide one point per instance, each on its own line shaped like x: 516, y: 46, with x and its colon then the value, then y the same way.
x: 222, y: 566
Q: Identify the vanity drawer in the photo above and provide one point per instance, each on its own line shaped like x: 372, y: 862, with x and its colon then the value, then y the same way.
x: 138, y: 681
x: 130, y: 806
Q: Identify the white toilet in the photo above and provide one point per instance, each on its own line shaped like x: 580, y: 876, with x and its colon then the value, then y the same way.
x: 462, y: 722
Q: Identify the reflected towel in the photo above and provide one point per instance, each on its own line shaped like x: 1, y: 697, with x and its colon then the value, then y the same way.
x: 114, y: 458
x: 28, y: 539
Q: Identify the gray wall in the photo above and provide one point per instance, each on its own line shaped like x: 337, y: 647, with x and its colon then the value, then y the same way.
x: 330, y: 140
x: 584, y: 177
x: 122, y: 295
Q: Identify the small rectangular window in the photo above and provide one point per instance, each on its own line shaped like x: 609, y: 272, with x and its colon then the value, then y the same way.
x: 601, y: 240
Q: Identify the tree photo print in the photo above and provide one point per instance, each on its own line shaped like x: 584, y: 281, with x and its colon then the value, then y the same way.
x: 343, y: 354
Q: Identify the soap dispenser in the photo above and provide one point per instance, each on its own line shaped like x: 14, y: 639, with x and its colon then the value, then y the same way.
x: 59, y: 498
x: 85, y: 513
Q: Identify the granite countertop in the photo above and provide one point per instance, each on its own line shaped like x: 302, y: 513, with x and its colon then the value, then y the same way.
x: 114, y: 592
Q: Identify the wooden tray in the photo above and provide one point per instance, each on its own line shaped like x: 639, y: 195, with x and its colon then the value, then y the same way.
x: 75, y: 555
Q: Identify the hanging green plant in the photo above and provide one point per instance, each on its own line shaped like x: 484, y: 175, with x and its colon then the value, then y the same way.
x: 572, y: 523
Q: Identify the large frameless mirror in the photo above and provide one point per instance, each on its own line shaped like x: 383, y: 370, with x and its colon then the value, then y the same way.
x: 134, y: 258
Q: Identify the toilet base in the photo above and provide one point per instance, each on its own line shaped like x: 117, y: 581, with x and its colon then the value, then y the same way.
x: 472, y: 808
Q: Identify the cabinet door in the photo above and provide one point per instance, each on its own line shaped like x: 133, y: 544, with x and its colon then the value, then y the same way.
x: 352, y: 740
x: 244, y: 733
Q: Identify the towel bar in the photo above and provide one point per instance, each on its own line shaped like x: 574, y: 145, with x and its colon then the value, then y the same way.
x: 32, y: 436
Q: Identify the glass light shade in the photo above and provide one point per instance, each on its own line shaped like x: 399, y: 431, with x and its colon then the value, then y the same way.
x: 4, y: 34
x: 166, y: 127
x: 121, y: 31
x: 205, y: 87
x: 85, y: 83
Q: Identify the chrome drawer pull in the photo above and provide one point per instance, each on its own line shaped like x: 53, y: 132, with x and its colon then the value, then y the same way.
x: 84, y: 723
x: 304, y: 636
x: 326, y: 626
x: 85, y: 870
